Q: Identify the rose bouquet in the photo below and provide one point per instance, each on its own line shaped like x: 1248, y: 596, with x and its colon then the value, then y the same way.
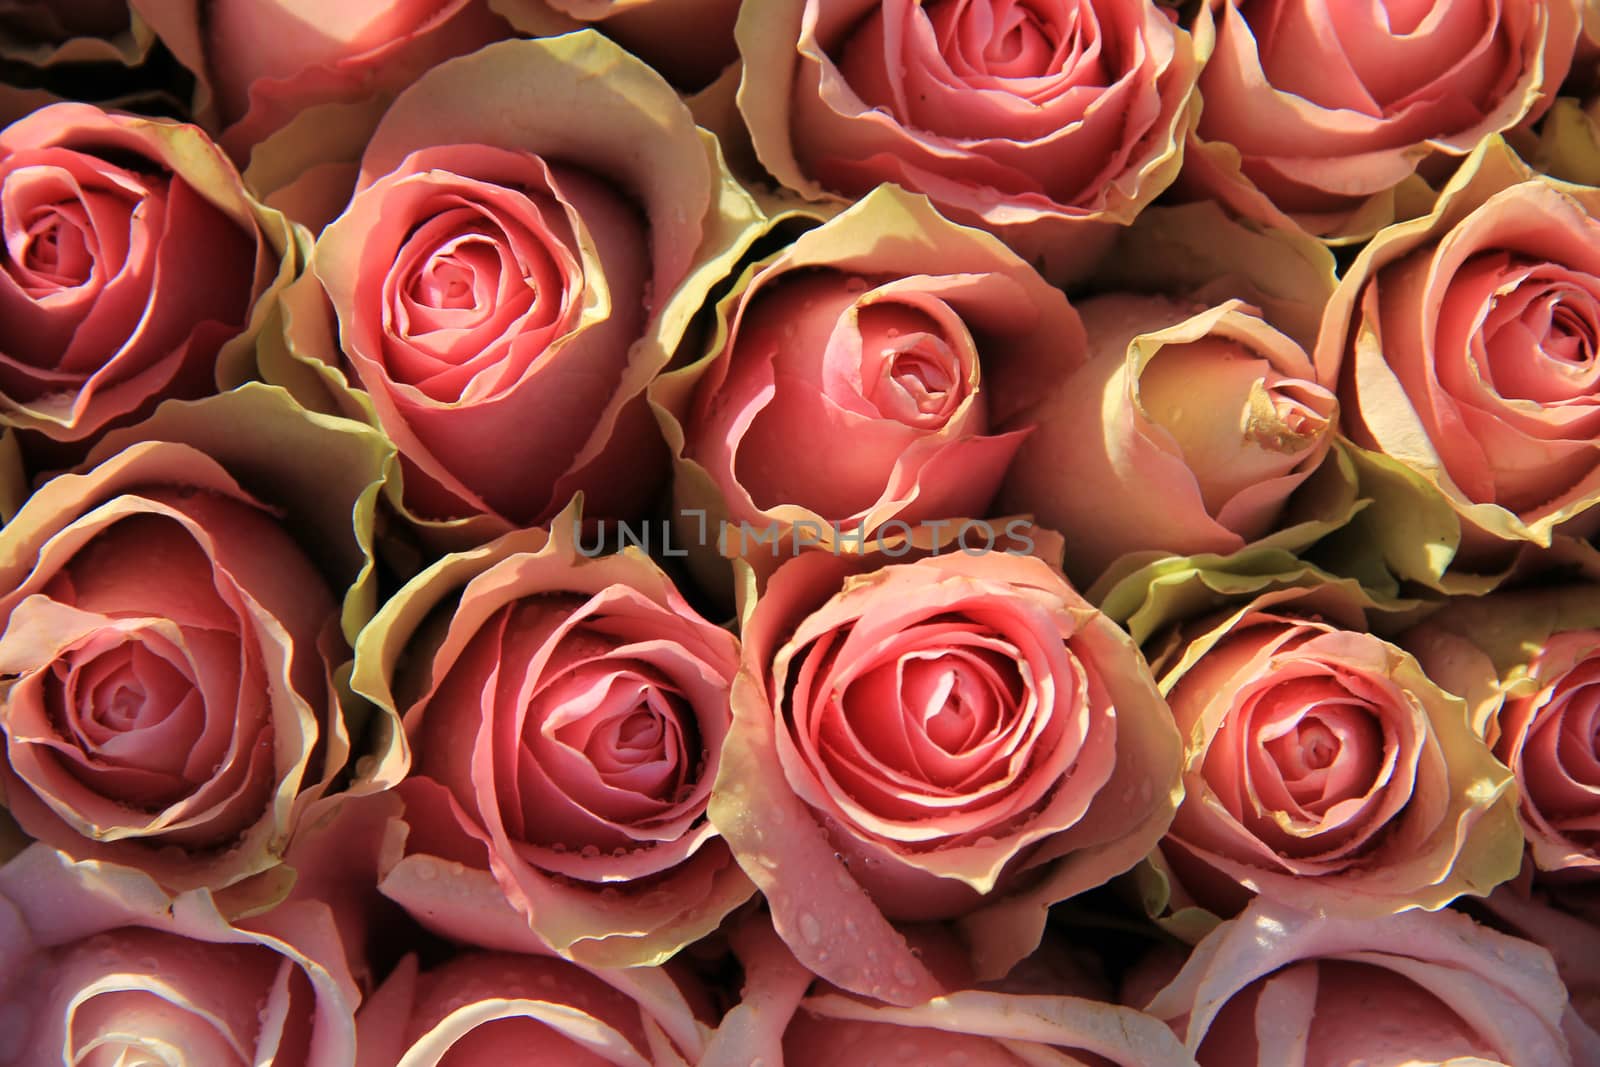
x: 689, y: 533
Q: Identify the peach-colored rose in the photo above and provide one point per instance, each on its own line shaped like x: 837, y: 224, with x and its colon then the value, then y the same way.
x: 1187, y: 430
x: 1528, y: 663
x: 167, y: 653
x: 1318, y: 113
x: 958, y: 737
x: 1040, y: 122
x: 257, y: 63
x: 1325, y: 769
x: 878, y: 372
x: 1276, y: 986
x: 1467, y: 345
x: 566, y: 718
x: 136, y: 269
x: 775, y: 1022
x: 98, y: 965
x: 484, y: 1009
x: 499, y: 273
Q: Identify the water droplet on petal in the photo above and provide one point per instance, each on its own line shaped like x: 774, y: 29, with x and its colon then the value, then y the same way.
x: 810, y: 928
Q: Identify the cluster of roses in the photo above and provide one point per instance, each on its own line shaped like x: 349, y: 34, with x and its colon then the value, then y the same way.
x: 1160, y: 622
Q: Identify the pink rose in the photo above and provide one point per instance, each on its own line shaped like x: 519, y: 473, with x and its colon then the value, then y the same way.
x: 1571, y: 937
x: 1325, y: 769
x: 1277, y: 986
x: 1188, y: 429
x: 876, y: 374
x: 566, y: 718
x: 168, y: 650
x: 260, y: 62
x: 1466, y: 346
x: 958, y: 737
x: 98, y: 965
x: 777, y: 1023
x: 1040, y: 122
x: 483, y: 1009
x: 137, y: 269
x: 1529, y: 665
x: 498, y: 272
x: 1319, y: 113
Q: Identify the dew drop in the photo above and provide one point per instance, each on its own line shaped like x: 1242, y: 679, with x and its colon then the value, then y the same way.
x: 810, y: 928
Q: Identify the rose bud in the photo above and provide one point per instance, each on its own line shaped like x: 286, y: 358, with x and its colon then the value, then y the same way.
x: 1319, y: 113
x: 167, y: 649
x: 1325, y: 770
x: 1277, y: 986
x: 1044, y: 123
x: 137, y: 269
x: 961, y: 737
x: 566, y: 718
x: 98, y: 965
x: 775, y: 1022
x: 258, y: 63
x: 1529, y: 665
x: 482, y: 1009
x: 857, y: 387
x: 1187, y: 431
x: 499, y: 264
x: 1466, y: 347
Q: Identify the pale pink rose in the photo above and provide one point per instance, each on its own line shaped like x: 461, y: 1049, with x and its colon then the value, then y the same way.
x: 136, y: 269
x: 1276, y: 986
x: 1040, y: 122
x: 1319, y: 113
x: 1528, y: 663
x: 566, y: 718
x: 499, y: 273
x: 485, y: 1009
x: 1325, y: 769
x: 98, y: 965
x: 959, y: 737
x: 168, y: 652
x: 775, y: 1023
x: 1187, y: 431
x: 877, y: 374
x: 260, y: 62
x: 1467, y: 346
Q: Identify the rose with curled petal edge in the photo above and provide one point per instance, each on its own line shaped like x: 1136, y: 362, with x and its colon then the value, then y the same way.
x: 1466, y: 345
x: 1188, y: 429
x: 903, y: 350
x: 1319, y: 113
x: 1277, y: 986
x: 776, y: 1022
x: 484, y: 1009
x: 168, y: 650
x: 136, y: 269
x: 1528, y: 663
x: 499, y: 275
x: 1325, y: 770
x: 565, y: 717
x: 258, y: 63
x: 99, y: 965
x: 960, y: 737
x: 1047, y: 124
